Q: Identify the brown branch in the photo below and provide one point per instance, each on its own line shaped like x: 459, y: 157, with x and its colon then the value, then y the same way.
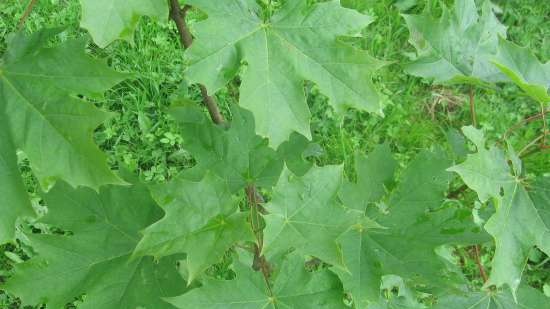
x: 178, y: 16
x: 479, y: 264
x: 26, y: 14
x: 525, y: 121
x: 473, y: 106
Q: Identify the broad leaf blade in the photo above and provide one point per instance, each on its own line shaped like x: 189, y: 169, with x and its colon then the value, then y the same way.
x: 93, y: 258
x: 299, y: 43
x: 457, y: 47
x: 43, y: 116
x: 109, y: 20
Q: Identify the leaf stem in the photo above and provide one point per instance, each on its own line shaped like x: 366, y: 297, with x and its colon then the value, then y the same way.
x: 479, y: 264
x: 178, y: 16
x: 473, y: 106
x: 26, y: 14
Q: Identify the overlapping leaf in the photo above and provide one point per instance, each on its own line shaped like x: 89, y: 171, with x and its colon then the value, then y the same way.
x: 109, y: 20
x: 293, y: 287
x: 405, y: 238
x: 93, y: 256
x: 304, y: 214
x: 41, y: 115
x: 458, y: 46
x: 236, y: 154
x: 374, y: 173
x: 202, y: 220
x: 518, y: 225
x: 299, y: 42
x: 525, y: 70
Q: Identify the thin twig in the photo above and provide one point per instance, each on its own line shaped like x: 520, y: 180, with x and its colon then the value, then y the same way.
x: 26, y: 14
x: 479, y: 264
x: 473, y: 107
x: 178, y: 15
x: 532, y: 143
x: 544, y: 127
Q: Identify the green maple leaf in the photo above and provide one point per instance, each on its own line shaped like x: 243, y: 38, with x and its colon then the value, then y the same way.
x: 41, y: 115
x: 93, y: 258
x: 527, y: 298
x: 202, y: 220
x: 404, y: 239
x: 373, y: 174
x: 525, y: 70
x: 15, y: 202
x: 236, y: 154
x: 299, y: 42
x: 109, y: 20
x: 294, y: 287
x: 304, y: 214
x: 487, y: 172
x: 458, y: 46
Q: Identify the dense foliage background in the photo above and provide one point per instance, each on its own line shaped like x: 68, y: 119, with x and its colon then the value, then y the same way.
x: 418, y: 115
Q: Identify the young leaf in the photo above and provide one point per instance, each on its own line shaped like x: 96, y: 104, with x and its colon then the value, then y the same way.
x: 237, y: 154
x: 304, y: 214
x: 294, y: 287
x: 404, y: 240
x: 457, y: 47
x: 524, y: 69
x: 45, y: 119
x: 299, y: 42
x: 484, y: 172
x: 93, y: 257
x: 202, y: 220
x: 109, y: 20
x: 527, y: 298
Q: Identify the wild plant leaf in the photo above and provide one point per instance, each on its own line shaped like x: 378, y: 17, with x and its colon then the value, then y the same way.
x: 109, y: 20
x: 15, y: 201
x: 294, y: 287
x: 484, y: 173
x: 298, y: 43
x: 403, y: 241
x: 458, y: 46
x: 45, y: 119
x: 527, y: 298
x: 237, y: 154
x: 304, y: 214
x: 405, y: 298
x: 92, y: 257
x: 374, y: 173
x: 202, y: 220
x: 524, y: 69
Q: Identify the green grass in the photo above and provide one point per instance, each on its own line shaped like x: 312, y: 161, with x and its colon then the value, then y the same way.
x: 417, y: 116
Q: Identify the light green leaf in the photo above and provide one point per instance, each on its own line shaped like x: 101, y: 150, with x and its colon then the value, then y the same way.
x: 93, y: 256
x: 109, y: 20
x: 298, y: 43
x: 405, y: 298
x: 527, y: 298
x: 304, y: 214
x: 236, y: 154
x: 201, y: 220
x: 458, y: 47
x: 524, y: 69
x: 487, y: 172
x: 374, y: 173
x: 409, y: 231
x: 293, y: 287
